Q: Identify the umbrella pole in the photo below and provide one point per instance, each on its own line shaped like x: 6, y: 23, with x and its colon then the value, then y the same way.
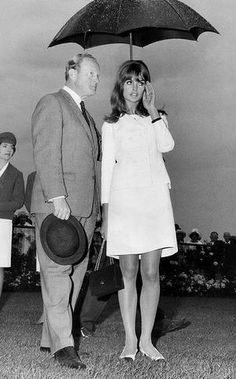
x: 130, y: 46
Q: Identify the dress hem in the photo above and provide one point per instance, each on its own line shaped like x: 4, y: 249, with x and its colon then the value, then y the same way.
x: 166, y: 252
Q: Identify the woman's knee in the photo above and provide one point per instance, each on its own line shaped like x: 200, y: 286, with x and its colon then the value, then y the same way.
x: 129, y: 270
x: 150, y: 266
x: 150, y: 274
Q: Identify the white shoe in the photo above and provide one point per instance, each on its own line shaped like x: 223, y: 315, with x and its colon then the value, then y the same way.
x: 154, y: 357
x: 128, y: 357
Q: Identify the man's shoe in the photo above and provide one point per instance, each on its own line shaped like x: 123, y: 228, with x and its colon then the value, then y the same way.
x: 168, y: 325
x: 68, y: 357
x: 45, y: 349
x: 86, y: 333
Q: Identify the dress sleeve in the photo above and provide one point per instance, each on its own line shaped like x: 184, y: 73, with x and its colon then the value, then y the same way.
x: 108, y: 161
x: 164, y: 139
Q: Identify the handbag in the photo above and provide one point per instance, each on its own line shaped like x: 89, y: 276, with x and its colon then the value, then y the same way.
x: 106, y: 278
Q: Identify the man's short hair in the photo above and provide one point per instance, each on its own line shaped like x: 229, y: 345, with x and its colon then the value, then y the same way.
x: 75, y: 62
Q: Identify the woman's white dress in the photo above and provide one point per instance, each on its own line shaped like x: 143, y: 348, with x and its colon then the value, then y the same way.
x: 136, y: 185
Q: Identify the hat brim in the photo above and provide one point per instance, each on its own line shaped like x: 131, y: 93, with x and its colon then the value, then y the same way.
x: 78, y: 255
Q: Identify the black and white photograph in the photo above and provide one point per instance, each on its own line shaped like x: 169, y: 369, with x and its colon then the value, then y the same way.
x: 117, y: 189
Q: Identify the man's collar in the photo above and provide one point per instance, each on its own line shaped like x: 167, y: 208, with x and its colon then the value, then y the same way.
x: 73, y: 94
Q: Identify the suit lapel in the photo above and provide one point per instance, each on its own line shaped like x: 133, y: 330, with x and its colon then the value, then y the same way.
x: 79, y: 115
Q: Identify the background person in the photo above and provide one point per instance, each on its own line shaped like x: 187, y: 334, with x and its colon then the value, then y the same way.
x: 215, y: 256
x: 180, y: 234
x: 137, y: 213
x: 11, y: 198
x: 229, y: 264
x: 195, y: 237
x: 66, y: 149
x: 227, y: 238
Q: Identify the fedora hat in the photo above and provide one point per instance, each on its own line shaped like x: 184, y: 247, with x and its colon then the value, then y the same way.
x: 64, y: 241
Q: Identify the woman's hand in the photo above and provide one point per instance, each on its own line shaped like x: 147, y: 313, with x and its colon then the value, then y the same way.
x: 149, y: 101
x: 149, y: 96
x: 103, y: 229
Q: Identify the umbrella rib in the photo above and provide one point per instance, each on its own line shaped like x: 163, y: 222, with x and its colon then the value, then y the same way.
x: 118, y: 16
x: 176, y: 11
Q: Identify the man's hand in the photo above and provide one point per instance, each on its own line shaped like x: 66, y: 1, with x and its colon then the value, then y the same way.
x: 62, y: 209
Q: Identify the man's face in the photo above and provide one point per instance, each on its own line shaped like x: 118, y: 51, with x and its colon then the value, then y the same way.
x: 226, y: 237
x: 213, y: 237
x: 87, y: 78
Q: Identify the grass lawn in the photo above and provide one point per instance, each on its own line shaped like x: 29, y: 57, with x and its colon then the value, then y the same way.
x: 205, y: 349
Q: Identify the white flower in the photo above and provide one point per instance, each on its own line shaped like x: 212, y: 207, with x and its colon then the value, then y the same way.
x: 183, y: 275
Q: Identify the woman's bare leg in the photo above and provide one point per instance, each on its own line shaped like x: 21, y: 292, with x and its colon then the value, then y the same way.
x: 128, y: 301
x: 149, y: 299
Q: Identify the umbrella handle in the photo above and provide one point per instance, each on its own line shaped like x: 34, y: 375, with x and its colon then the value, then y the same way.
x: 130, y: 45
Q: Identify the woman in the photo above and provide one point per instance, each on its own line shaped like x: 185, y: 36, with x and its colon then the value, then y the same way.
x: 195, y: 237
x: 11, y: 198
x: 137, y: 213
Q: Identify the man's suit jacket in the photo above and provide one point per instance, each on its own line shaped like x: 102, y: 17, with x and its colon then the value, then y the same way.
x: 65, y: 154
x: 11, y: 192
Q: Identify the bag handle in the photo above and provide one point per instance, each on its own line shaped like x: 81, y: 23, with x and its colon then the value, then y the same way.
x: 97, y: 265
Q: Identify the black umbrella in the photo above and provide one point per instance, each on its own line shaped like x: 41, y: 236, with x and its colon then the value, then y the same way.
x: 136, y: 22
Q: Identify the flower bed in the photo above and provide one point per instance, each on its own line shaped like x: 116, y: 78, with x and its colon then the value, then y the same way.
x: 178, y: 279
x: 22, y: 274
x: 190, y: 282
x: 184, y: 274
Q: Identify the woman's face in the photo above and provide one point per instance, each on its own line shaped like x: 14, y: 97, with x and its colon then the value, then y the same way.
x: 6, y: 151
x: 133, y: 89
x: 194, y: 237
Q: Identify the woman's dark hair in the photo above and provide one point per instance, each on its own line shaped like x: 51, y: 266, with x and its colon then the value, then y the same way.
x: 126, y: 71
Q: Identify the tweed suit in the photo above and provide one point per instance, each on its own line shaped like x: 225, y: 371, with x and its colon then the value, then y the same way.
x: 65, y: 153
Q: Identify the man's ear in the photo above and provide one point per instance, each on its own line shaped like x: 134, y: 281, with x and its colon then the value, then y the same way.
x: 72, y: 74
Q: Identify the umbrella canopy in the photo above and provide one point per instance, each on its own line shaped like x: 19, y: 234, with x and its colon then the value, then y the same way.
x: 136, y: 22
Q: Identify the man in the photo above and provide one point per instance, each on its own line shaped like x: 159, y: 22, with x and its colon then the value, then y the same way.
x: 215, y: 249
x: 227, y: 238
x: 65, y: 147
x: 229, y: 264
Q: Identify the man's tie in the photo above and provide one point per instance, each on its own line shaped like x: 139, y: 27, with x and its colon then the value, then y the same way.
x: 83, y: 110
